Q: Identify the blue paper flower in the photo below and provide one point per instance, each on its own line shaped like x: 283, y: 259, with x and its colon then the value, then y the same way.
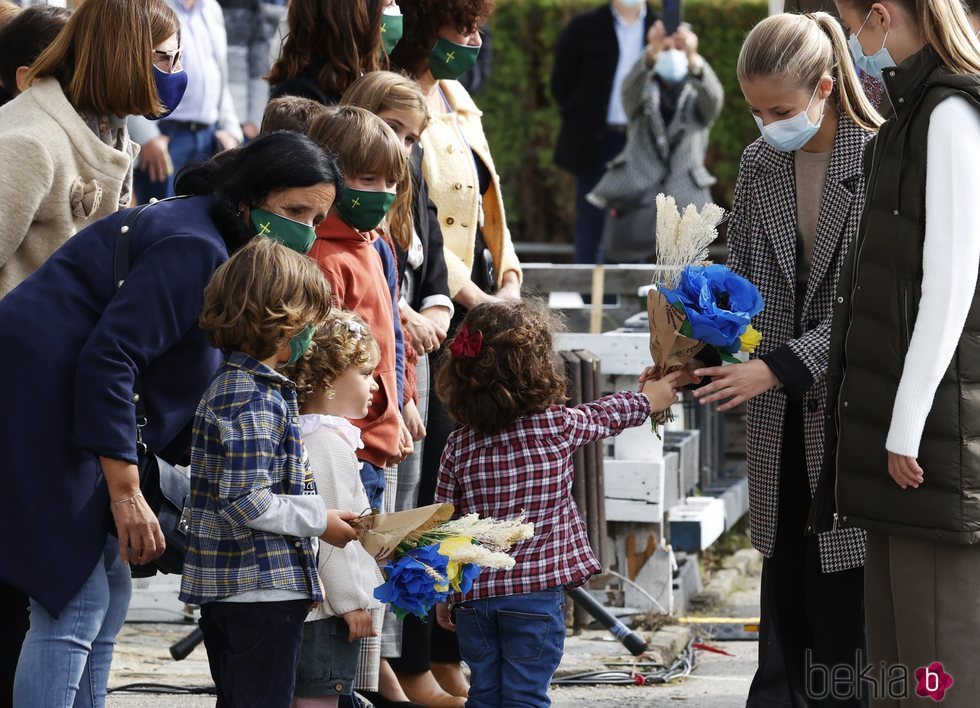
x: 718, y: 303
x: 470, y: 573
x: 411, y: 587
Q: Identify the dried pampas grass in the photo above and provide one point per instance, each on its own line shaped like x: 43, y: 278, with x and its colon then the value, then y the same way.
x: 683, y: 239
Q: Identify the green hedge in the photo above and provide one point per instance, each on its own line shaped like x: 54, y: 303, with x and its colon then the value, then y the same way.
x: 521, y: 120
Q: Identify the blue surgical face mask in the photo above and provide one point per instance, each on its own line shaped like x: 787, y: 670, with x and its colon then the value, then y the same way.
x: 874, y: 64
x: 792, y: 133
x: 171, y: 89
x: 672, y: 66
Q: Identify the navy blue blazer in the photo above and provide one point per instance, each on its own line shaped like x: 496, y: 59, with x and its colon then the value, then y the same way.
x: 70, y: 347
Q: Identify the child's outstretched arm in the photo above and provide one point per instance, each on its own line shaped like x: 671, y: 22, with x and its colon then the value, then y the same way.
x: 606, y: 417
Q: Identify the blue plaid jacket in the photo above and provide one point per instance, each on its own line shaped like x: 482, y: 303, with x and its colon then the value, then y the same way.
x: 246, y: 448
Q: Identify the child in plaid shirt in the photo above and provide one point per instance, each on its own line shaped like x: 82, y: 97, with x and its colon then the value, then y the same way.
x: 250, y: 562
x: 513, y: 454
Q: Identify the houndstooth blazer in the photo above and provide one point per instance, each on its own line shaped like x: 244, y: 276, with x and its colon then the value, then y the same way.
x: 762, y: 237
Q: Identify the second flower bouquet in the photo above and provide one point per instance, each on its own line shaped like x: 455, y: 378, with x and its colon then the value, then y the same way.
x: 437, y: 557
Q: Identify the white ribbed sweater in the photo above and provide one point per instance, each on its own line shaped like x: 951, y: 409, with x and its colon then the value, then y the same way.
x: 950, y: 264
x: 349, y: 574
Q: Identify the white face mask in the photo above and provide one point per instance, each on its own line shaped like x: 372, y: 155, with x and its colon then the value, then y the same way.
x: 791, y: 133
x: 672, y: 66
x: 877, y: 62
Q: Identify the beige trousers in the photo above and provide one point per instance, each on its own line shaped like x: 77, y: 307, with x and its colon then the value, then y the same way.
x: 922, y: 605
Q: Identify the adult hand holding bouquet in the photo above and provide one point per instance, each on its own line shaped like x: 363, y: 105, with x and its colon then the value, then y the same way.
x: 695, y: 305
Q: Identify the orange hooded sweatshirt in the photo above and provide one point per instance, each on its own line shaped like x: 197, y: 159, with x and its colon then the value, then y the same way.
x: 348, y: 259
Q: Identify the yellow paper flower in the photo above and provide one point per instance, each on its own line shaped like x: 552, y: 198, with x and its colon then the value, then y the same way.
x: 448, y: 548
x: 751, y: 339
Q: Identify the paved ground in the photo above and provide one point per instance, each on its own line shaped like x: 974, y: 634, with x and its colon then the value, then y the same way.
x: 718, y: 681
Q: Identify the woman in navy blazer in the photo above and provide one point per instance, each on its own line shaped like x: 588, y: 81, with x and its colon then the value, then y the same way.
x: 71, y: 346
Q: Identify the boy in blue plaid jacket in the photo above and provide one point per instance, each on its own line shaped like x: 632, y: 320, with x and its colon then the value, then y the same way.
x: 251, y: 564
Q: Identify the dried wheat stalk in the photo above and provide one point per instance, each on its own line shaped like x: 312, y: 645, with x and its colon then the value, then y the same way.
x: 683, y: 240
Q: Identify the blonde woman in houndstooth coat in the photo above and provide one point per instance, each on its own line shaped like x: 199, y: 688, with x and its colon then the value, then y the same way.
x: 798, y: 201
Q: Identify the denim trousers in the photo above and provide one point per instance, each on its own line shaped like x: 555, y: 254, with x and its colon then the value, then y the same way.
x: 513, y: 645
x: 373, y: 479
x: 65, y: 660
x: 186, y: 147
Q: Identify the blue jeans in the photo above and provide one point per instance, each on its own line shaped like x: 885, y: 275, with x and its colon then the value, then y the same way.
x: 513, y: 645
x: 590, y: 220
x: 186, y: 147
x: 65, y: 660
x: 373, y: 479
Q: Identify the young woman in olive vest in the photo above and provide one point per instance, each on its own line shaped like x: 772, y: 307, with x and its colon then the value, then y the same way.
x: 797, y: 207
x: 904, y: 434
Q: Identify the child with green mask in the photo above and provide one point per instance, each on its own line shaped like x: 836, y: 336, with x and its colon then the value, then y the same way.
x: 352, y: 251
x: 252, y: 491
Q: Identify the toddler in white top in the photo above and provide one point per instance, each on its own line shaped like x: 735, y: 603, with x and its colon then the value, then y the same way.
x: 335, y: 383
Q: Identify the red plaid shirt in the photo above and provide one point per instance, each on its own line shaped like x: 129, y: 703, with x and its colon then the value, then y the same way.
x: 528, y: 466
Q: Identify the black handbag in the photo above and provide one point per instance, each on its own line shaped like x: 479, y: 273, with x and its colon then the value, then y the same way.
x: 165, y: 489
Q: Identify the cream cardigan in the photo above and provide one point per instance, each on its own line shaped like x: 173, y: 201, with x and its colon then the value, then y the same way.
x: 449, y: 174
x: 57, y: 178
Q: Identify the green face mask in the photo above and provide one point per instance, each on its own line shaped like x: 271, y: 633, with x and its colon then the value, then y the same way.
x: 449, y: 60
x: 300, y: 344
x: 392, y: 28
x: 362, y: 209
x: 292, y: 234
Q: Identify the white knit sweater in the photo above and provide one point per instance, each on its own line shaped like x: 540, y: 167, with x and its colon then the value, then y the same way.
x: 950, y: 264
x: 349, y: 574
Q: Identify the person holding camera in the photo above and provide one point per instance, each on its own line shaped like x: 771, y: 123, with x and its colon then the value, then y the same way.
x: 594, y: 54
x: 671, y: 97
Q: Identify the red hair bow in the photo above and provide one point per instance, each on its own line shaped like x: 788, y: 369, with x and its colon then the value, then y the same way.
x: 466, y: 344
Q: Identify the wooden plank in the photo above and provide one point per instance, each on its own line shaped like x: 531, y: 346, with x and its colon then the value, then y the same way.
x: 619, y: 279
x: 599, y: 449
x: 593, y: 501
x: 573, y: 369
x: 697, y: 523
x: 620, y: 352
x: 598, y: 294
x: 635, y: 481
x: 633, y: 511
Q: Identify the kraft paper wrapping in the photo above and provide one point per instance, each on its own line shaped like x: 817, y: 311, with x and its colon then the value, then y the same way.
x: 670, y: 350
x: 381, y: 533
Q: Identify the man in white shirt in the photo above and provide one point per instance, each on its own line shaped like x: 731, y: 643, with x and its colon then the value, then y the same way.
x: 205, y: 122
x: 593, y: 55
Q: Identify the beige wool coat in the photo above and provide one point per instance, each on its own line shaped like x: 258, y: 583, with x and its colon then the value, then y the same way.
x: 449, y: 174
x: 57, y: 178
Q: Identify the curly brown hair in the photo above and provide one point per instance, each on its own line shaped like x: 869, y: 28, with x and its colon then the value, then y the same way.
x: 423, y: 18
x: 343, y: 342
x: 514, y: 373
x: 261, y: 296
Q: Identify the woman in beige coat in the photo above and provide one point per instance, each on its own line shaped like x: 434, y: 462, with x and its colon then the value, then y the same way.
x: 67, y: 157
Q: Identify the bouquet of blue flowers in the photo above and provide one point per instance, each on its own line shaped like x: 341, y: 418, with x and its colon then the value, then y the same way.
x: 716, y: 307
x: 447, y: 557
x: 695, y: 304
